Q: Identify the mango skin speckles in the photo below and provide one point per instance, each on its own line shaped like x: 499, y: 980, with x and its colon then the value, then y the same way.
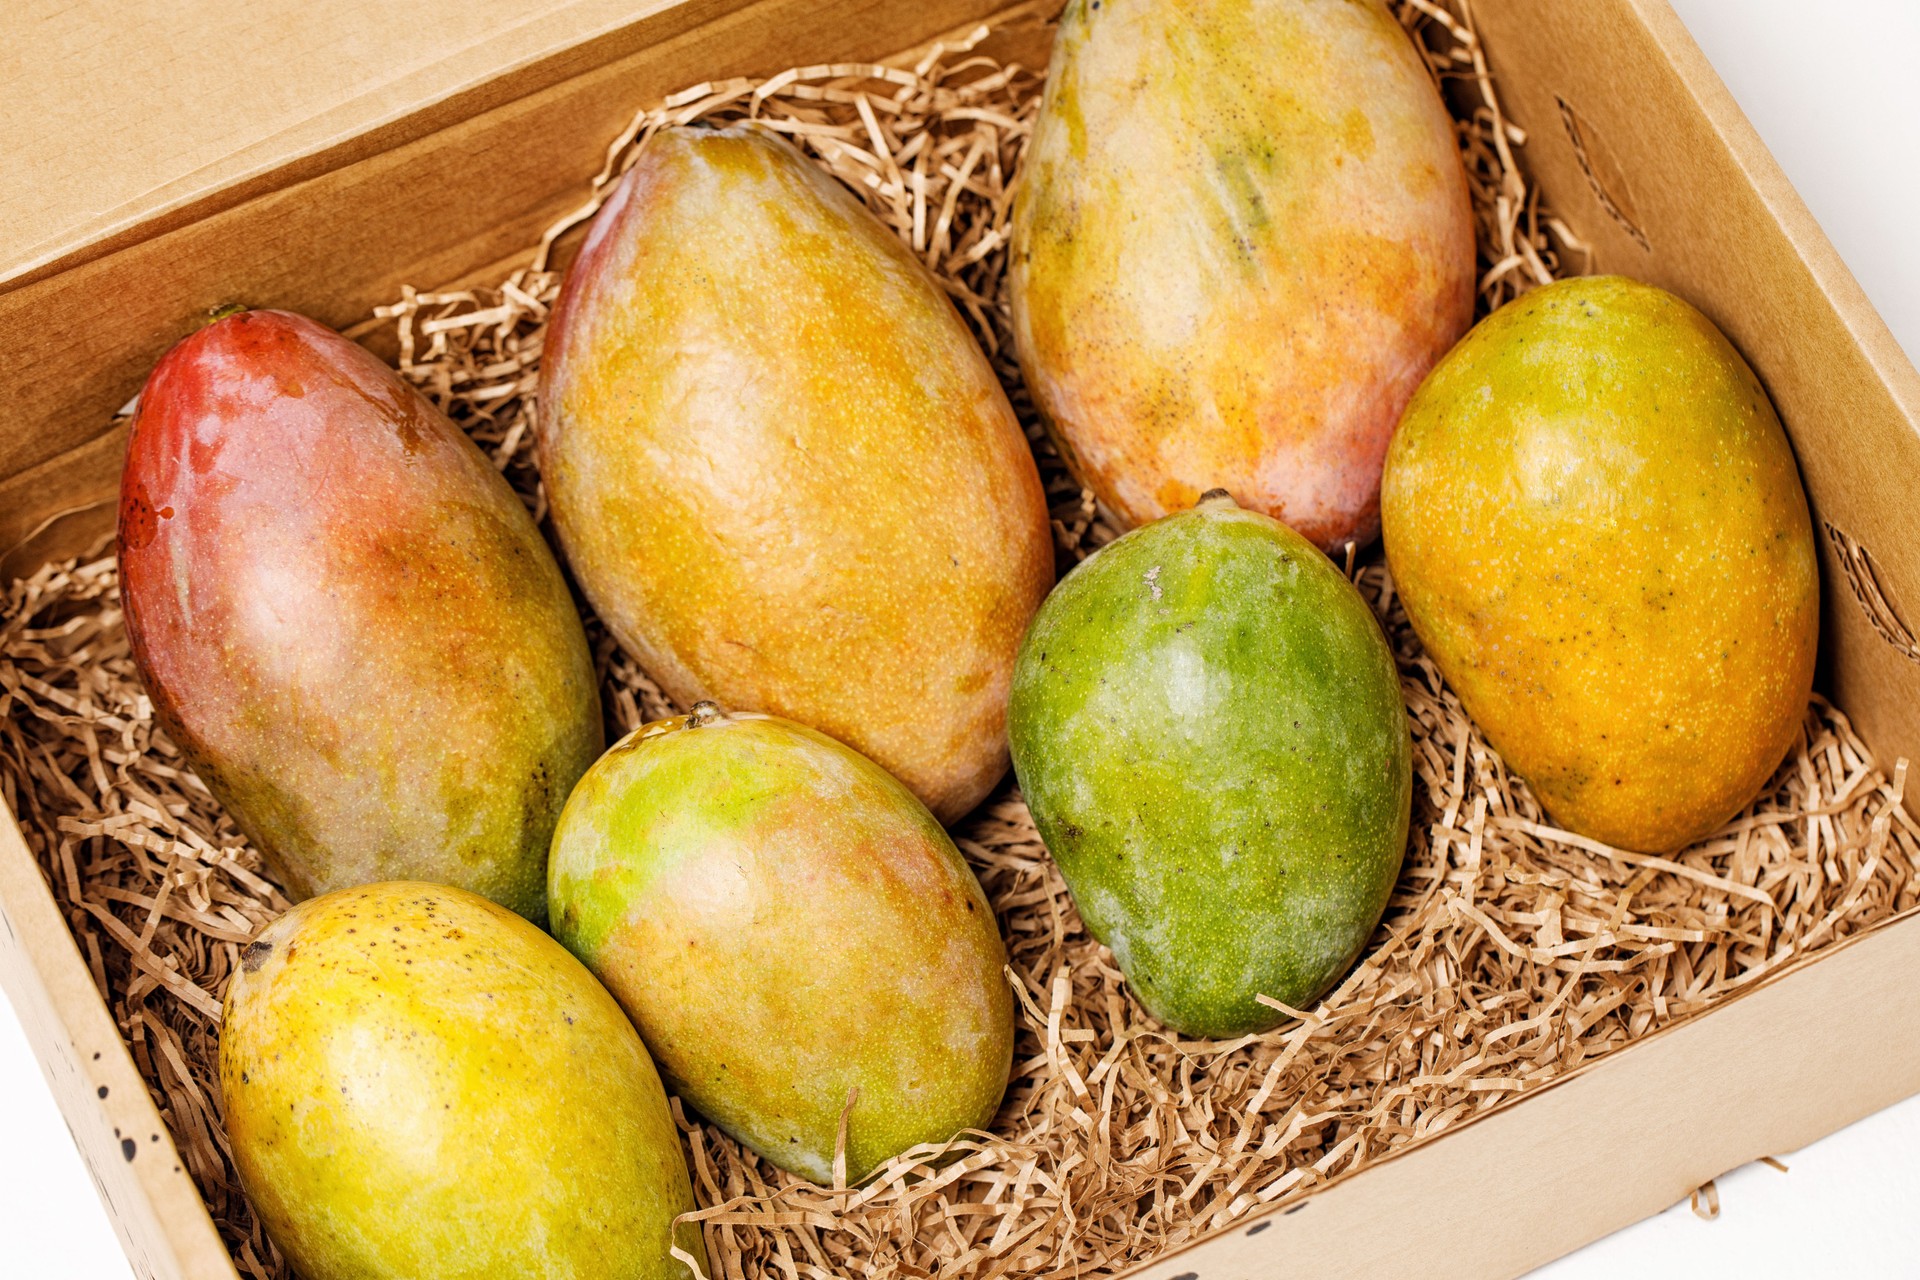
x: 1207, y: 726
x: 1242, y: 237
x: 1594, y: 519
x: 347, y: 619
x: 420, y: 1083
x: 786, y: 924
x: 781, y: 468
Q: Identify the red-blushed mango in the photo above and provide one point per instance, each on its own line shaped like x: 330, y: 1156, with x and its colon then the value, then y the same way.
x: 781, y: 468
x: 347, y: 620
x: 790, y: 929
x: 1241, y: 238
x: 419, y: 1083
x: 1594, y: 519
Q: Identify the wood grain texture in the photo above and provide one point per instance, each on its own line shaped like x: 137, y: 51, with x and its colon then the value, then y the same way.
x: 150, y: 1199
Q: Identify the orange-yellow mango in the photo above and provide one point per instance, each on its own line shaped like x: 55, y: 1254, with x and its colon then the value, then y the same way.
x: 781, y: 468
x: 1241, y: 239
x: 1594, y: 518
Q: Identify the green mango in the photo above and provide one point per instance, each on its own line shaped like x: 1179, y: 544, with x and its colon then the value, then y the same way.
x: 792, y: 932
x: 1207, y: 724
x: 420, y: 1083
x: 1595, y: 522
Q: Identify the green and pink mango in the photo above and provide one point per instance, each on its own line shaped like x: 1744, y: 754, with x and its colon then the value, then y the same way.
x: 793, y: 933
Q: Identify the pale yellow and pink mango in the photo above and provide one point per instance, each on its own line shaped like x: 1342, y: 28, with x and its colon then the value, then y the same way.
x: 1243, y: 236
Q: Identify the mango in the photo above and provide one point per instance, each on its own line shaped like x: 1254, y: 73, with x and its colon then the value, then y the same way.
x: 1207, y: 726
x: 1241, y: 238
x: 1595, y: 521
x: 793, y: 933
x: 781, y: 468
x: 346, y: 619
x: 420, y: 1083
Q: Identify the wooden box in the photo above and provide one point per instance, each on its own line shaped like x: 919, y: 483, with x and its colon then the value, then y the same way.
x: 290, y: 160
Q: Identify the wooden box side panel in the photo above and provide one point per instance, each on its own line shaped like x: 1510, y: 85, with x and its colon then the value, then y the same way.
x: 1801, y: 1056
x: 1636, y: 142
x: 472, y: 196
x: 151, y: 1200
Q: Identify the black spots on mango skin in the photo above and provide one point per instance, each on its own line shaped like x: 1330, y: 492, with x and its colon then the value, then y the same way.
x: 254, y: 955
x: 139, y: 522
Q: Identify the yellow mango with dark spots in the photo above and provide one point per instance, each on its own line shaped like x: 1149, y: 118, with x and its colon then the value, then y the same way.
x: 782, y: 469
x: 1241, y: 239
x: 420, y: 1083
x: 1595, y: 521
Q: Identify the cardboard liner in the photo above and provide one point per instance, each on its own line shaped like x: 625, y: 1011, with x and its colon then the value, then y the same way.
x: 1512, y: 952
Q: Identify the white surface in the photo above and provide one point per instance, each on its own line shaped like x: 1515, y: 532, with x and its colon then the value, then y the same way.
x: 51, y: 1220
x: 1831, y: 88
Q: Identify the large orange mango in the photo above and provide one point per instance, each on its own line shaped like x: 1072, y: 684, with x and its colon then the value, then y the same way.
x: 1595, y: 522
x: 1242, y: 238
x: 781, y: 468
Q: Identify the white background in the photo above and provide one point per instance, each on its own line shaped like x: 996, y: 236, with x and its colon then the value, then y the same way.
x: 1832, y: 87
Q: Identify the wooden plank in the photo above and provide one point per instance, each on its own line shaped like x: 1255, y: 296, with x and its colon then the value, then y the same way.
x: 151, y: 1200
